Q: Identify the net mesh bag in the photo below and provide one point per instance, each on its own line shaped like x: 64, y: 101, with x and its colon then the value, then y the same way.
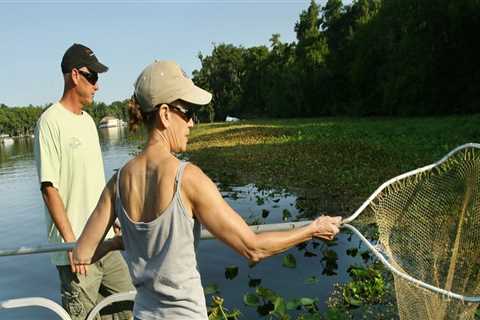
x: 429, y: 228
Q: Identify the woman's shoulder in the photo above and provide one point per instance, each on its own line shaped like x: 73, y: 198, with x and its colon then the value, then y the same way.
x: 133, y: 169
x: 192, y: 171
x: 195, y: 180
x: 128, y: 167
x: 144, y: 166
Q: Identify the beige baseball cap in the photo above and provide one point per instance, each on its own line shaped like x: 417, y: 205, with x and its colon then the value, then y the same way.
x: 165, y: 82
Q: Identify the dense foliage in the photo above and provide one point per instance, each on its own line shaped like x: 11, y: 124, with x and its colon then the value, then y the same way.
x: 117, y: 109
x: 18, y: 121
x: 373, y: 57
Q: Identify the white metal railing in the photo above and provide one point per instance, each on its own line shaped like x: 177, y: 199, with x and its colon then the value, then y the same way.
x: 124, y: 296
x: 35, y: 301
x: 205, y: 235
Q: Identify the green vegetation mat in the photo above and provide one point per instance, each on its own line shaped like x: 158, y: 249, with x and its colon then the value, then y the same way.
x: 331, y: 164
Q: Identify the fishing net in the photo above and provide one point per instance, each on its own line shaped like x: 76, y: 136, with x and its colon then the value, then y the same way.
x: 429, y: 234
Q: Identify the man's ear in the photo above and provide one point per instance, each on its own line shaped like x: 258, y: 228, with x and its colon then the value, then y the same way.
x: 74, y: 76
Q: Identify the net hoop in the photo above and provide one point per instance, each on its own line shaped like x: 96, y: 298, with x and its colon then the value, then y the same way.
x: 380, y: 256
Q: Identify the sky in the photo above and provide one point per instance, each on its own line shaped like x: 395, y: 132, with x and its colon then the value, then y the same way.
x: 125, y: 36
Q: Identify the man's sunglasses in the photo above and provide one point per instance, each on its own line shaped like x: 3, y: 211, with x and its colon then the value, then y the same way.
x: 187, y: 114
x: 91, y: 77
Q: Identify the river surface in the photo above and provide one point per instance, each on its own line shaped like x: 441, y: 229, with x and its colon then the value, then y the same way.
x: 22, y: 224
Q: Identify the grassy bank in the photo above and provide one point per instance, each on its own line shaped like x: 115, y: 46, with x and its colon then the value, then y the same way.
x: 332, y: 164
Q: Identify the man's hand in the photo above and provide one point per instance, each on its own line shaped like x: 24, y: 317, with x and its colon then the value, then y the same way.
x: 117, y: 228
x: 56, y: 208
x: 75, y: 266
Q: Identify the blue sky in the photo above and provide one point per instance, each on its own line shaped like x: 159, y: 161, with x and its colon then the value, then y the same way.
x: 126, y: 36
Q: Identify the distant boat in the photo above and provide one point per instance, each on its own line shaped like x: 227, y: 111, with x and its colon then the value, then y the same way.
x: 111, y: 122
x: 231, y: 119
x: 6, y: 141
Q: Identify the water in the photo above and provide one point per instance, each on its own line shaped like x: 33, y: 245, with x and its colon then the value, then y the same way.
x: 22, y: 223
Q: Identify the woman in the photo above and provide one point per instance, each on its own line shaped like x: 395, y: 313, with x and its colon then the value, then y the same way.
x: 161, y: 201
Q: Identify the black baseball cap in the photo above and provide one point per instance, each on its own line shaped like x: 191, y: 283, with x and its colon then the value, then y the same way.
x: 78, y: 56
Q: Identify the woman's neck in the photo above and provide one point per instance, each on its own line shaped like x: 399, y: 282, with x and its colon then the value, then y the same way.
x: 157, y: 142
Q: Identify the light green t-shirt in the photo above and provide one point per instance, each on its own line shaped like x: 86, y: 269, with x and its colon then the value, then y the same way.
x: 67, y: 154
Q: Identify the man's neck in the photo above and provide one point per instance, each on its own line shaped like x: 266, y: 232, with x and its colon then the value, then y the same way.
x: 71, y: 102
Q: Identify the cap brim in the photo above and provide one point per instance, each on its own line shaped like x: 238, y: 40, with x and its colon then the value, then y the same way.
x: 196, y: 95
x: 97, y: 67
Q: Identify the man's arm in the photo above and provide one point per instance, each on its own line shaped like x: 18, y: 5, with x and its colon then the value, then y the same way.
x: 47, y: 150
x: 56, y: 208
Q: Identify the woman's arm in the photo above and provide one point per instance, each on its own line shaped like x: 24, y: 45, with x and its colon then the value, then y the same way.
x: 90, y: 246
x: 221, y: 220
x: 115, y: 243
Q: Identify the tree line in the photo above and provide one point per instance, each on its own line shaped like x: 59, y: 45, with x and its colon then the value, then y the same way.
x: 18, y: 121
x: 369, y: 58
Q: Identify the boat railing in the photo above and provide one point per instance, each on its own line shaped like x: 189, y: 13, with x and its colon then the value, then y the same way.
x: 124, y: 296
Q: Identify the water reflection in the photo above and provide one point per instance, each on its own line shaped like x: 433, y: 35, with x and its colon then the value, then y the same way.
x: 20, y: 148
x: 5, y: 152
x: 112, y: 134
x: 22, y: 223
x: 324, y: 262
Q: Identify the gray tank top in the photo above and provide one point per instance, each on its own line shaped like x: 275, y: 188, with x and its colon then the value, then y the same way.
x: 161, y: 258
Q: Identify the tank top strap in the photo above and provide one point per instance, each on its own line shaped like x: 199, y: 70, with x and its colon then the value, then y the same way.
x: 117, y: 184
x: 179, y: 175
x: 118, y: 199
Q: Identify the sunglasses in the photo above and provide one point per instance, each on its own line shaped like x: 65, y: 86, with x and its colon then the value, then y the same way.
x: 187, y: 114
x: 91, y: 77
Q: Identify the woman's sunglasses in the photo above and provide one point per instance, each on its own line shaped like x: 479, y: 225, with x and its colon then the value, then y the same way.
x: 91, y: 77
x: 187, y: 114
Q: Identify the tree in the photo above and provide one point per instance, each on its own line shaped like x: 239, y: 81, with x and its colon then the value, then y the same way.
x: 221, y: 73
x: 253, y: 102
x: 372, y: 57
x: 310, y: 66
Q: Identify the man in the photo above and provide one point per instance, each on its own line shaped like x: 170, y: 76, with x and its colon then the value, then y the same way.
x: 71, y: 174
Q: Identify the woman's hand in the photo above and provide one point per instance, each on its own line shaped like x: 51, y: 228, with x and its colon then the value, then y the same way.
x: 79, y: 264
x: 326, y: 227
